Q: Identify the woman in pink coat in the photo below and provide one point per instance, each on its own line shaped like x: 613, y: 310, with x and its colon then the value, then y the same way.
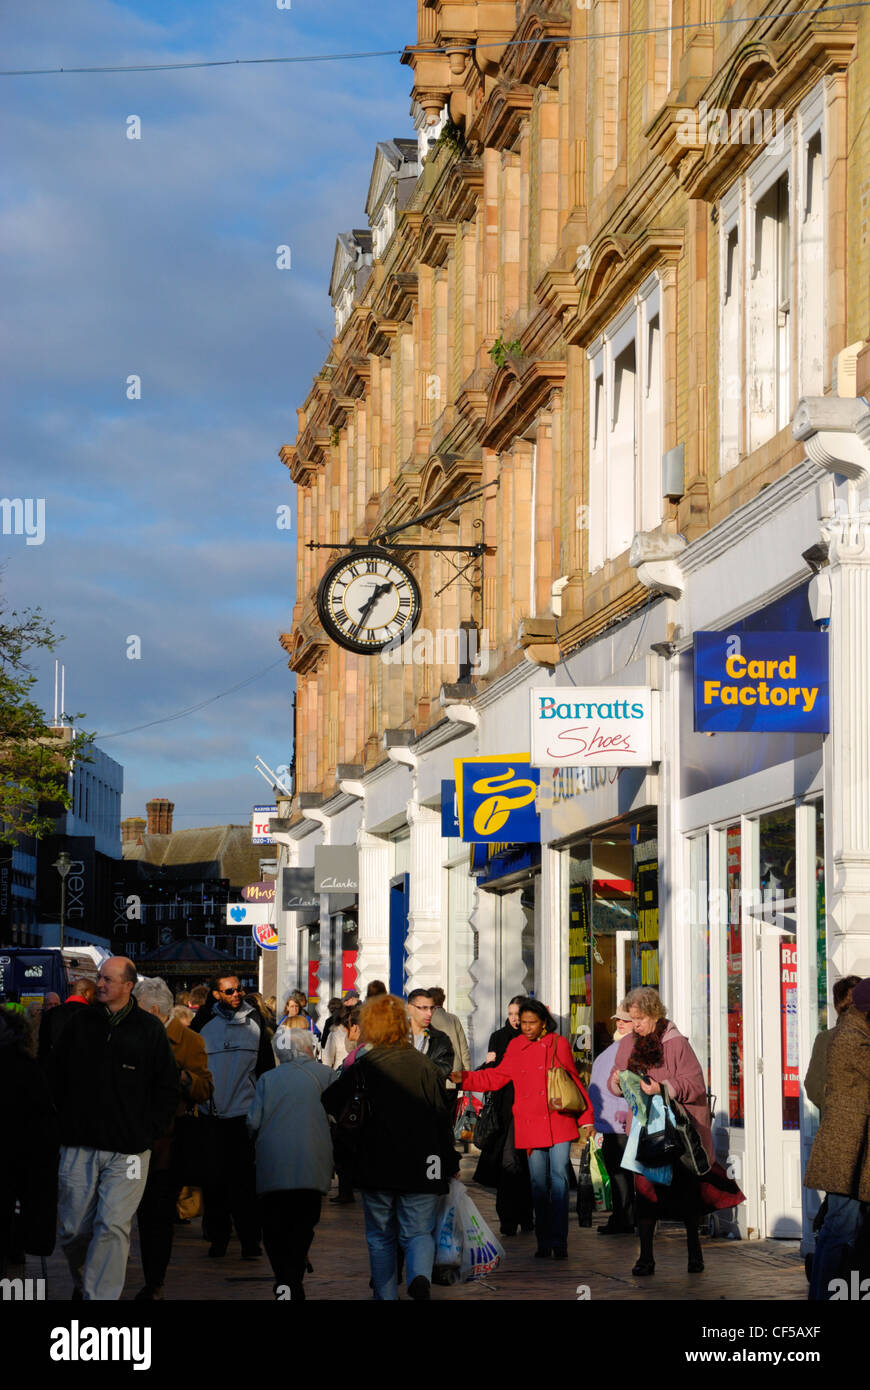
x: 657, y: 1052
x: 545, y: 1133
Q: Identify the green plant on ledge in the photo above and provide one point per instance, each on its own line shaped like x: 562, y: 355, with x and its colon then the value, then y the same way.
x: 451, y: 138
x: 335, y: 436
x: 501, y: 351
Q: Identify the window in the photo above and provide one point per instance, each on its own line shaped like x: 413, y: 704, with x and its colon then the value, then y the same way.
x: 625, y: 427
x: 772, y: 279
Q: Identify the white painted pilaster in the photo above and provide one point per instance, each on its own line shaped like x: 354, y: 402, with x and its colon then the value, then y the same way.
x: 423, y: 945
x: 847, y: 749
x: 551, y: 967
x: 373, y: 960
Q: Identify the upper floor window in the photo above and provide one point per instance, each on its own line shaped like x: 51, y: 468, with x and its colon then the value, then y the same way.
x: 625, y: 427
x: 771, y: 276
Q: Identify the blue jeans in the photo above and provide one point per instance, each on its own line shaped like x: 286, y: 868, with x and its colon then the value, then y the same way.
x: 551, y: 1206
x: 839, y: 1229
x: 393, y: 1219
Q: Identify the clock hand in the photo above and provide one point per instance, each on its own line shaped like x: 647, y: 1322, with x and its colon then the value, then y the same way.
x: 376, y: 593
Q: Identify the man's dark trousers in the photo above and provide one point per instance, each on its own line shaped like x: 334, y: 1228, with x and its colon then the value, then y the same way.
x: 289, y: 1219
x: 231, y: 1199
x: 156, y: 1221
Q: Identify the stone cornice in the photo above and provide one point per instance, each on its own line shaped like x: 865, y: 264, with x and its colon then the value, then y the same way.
x: 765, y: 75
x: 436, y: 238
x: 618, y: 267
x: 499, y: 121
x: 517, y: 393
x: 307, y: 646
x: 745, y: 521
x: 447, y: 476
x: 534, y: 53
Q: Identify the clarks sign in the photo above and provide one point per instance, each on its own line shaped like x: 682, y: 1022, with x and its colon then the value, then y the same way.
x: 594, y: 726
x: 336, y: 869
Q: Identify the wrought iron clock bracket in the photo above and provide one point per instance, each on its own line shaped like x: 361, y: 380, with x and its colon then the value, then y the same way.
x: 479, y: 548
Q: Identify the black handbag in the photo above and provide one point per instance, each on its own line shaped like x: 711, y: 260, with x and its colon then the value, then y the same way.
x: 488, y: 1124
x: 352, y: 1119
x: 693, y: 1155
x: 664, y: 1147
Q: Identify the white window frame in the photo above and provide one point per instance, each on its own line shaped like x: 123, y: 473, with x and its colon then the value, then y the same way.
x: 795, y: 353
x: 628, y: 446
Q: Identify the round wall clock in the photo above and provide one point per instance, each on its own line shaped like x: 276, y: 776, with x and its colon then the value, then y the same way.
x: 367, y: 601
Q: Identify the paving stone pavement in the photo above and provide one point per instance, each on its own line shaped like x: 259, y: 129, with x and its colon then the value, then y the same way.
x: 735, y: 1270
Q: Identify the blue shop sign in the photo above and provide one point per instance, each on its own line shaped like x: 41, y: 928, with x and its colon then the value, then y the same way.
x: 497, y: 799
x: 450, y: 828
x: 491, y: 862
x: 761, y: 682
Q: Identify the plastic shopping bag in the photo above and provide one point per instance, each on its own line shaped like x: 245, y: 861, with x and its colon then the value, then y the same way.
x: 448, y: 1229
x: 599, y: 1174
x: 481, y: 1251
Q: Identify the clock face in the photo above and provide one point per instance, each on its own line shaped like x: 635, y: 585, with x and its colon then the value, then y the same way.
x: 367, y: 601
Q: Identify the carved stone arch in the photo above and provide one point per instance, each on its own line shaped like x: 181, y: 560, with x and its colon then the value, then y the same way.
x: 748, y: 71
x: 607, y: 258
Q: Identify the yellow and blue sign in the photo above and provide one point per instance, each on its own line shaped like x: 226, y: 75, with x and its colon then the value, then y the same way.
x: 761, y: 682
x: 496, y: 799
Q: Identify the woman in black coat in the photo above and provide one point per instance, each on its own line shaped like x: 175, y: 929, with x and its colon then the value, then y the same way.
x: 29, y: 1148
x: 502, y: 1165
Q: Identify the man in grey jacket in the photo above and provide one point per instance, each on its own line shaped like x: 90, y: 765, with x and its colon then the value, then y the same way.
x: 451, y: 1025
x: 239, y: 1052
x: 294, y: 1156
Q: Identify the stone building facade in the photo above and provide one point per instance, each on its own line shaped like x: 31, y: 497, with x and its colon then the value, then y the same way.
x: 610, y: 328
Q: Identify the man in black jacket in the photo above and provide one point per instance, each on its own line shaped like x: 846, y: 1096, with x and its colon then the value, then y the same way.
x: 115, y: 1085
x: 430, y: 1041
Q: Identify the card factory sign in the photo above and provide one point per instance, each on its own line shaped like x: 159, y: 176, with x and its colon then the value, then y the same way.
x: 761, y: 682
x: 594, y: 726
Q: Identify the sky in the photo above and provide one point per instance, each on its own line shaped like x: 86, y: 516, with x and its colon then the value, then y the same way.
x: 156, y: 259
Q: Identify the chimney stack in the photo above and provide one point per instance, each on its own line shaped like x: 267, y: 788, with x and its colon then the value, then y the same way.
x: 159, y: 815
x: 132, y: 830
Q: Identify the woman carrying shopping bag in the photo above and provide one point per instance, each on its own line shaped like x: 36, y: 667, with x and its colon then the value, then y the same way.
x: 550, y: 1102
x: 657, y: 1056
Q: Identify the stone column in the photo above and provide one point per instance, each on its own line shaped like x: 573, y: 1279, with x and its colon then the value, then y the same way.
x: 423, y: 944
x: 497, y: 970
x: 484, y: 970
x: 551, y: 904
x: 373, y: 960
x: 847, y: 748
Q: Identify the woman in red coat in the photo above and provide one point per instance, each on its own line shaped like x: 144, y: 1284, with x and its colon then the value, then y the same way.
x: 546, y: 1134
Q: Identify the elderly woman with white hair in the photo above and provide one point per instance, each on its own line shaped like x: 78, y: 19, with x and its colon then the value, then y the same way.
x: 156, y: 1214
x: 294, y: 1156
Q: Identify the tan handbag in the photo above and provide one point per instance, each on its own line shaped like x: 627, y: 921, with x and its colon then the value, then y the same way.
x: 563, y: 1093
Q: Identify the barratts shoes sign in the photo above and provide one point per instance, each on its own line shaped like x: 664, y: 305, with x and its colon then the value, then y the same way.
x: 594, y: 726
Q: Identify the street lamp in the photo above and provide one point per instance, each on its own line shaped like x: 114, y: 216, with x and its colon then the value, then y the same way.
x: 63, y: 864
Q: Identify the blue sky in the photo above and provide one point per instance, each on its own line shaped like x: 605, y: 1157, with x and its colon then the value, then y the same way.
x: 157, y: 258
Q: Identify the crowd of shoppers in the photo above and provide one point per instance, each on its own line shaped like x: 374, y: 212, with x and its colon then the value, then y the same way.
x: 123, y: 1078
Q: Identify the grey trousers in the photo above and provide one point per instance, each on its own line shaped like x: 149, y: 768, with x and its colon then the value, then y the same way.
x: 98, y: 1193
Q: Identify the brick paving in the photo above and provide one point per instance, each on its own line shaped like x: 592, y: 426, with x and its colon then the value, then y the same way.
x: 752, y: 1270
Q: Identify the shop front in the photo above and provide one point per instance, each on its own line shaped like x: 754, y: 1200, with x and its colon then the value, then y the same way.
x: 752, y: 912
x: 601, y: 822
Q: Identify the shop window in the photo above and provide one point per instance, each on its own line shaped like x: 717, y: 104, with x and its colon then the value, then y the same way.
x: 778, y: 898
x: 733, y: 946
x: 699, y: 946
x: 821, y: 920
x: 604, y: 959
